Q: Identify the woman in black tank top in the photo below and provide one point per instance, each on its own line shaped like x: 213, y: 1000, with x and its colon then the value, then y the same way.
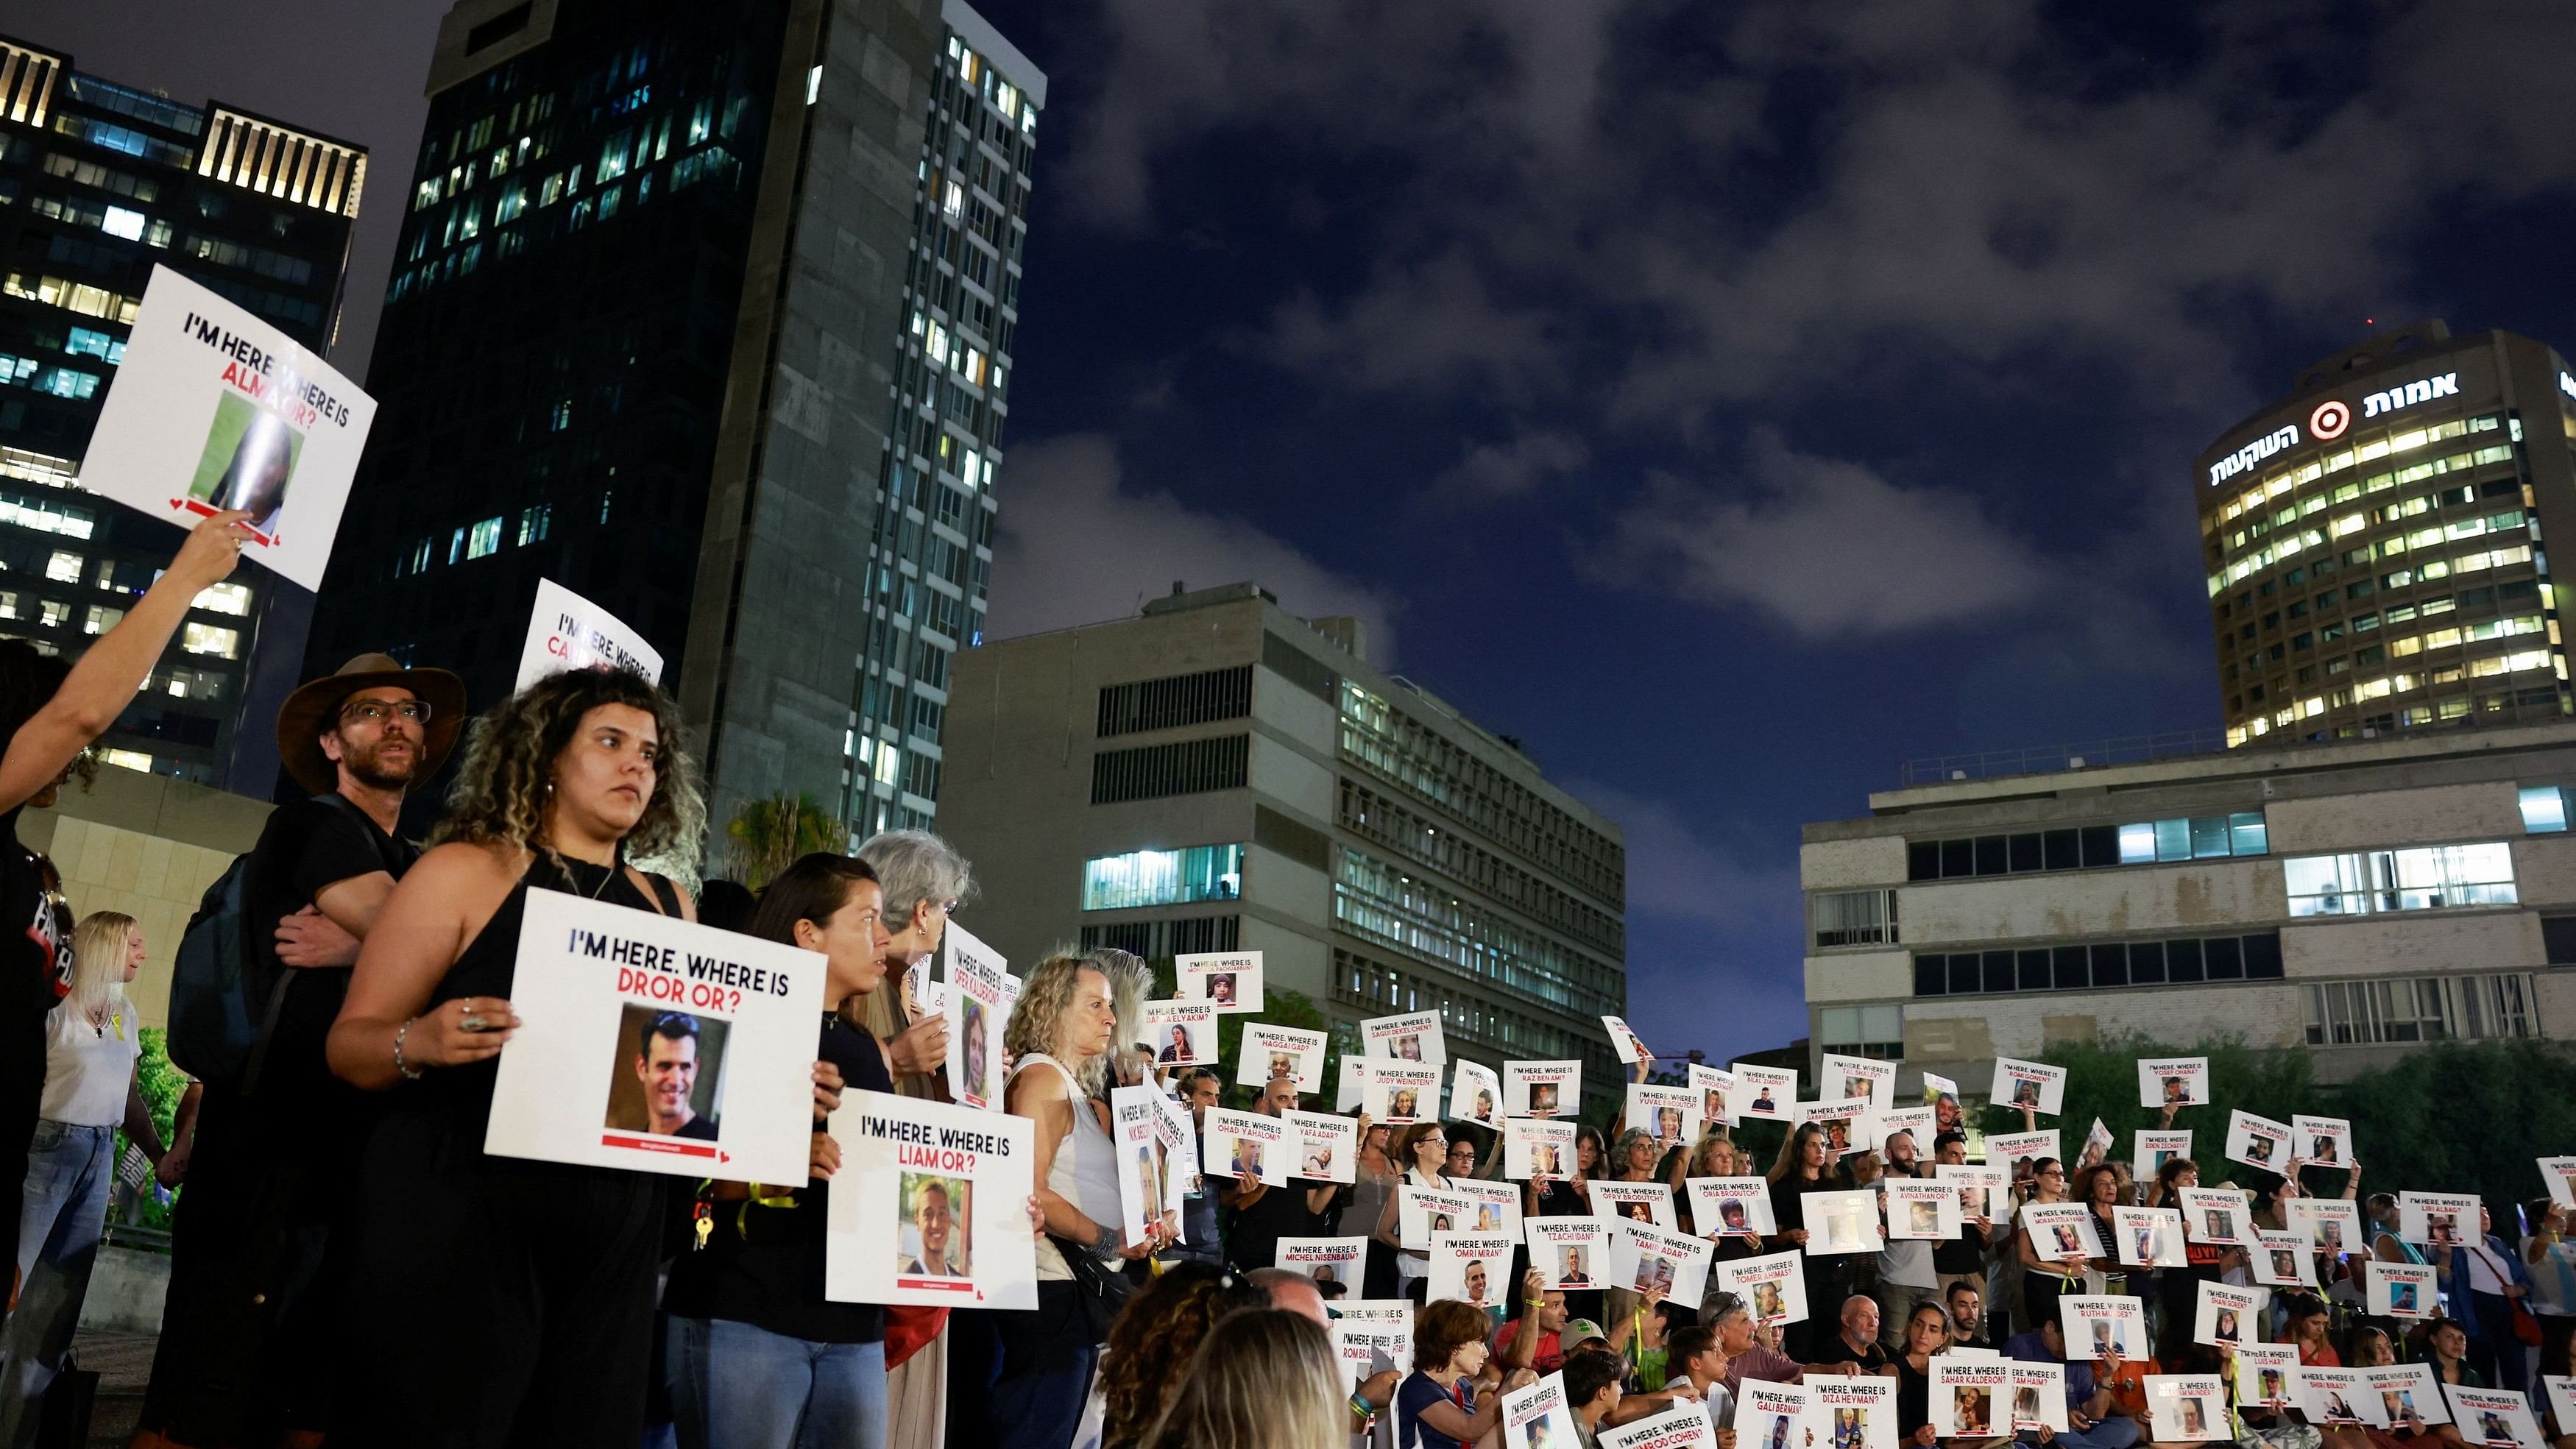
x: 499, y: 1301
x: 757, y: 1356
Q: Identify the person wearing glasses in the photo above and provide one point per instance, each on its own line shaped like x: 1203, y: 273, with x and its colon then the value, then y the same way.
x: 1423, y: 1149
x: 273, y: 1152
x: 2047, y: 1272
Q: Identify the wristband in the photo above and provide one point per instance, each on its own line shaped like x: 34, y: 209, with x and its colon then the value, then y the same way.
x: 1363, y: 1407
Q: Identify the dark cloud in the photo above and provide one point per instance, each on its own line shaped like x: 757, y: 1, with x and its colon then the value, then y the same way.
x: 1514, y: 469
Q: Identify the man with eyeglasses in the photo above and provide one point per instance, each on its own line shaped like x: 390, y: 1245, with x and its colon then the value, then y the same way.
x: 246, y: 1341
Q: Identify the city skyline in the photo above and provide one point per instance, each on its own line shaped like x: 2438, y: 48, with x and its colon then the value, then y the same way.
x: 1728, y: 413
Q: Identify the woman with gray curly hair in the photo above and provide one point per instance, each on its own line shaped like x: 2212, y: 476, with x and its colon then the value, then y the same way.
x: 924, y: 879
x: 525, y: 1289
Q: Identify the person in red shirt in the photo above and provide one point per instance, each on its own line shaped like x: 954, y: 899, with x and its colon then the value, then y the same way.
x: 1546, y: 1352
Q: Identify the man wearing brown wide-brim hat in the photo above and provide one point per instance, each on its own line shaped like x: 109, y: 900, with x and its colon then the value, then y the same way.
x: 274, y: 1151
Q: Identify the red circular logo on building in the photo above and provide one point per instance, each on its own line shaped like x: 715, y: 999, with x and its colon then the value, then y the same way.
x: 2329, y: 420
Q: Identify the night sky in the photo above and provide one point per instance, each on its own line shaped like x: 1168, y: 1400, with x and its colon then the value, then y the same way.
x: 1732, y: 401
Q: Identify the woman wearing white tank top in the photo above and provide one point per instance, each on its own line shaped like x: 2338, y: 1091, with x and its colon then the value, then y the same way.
x: 1020, y: 1383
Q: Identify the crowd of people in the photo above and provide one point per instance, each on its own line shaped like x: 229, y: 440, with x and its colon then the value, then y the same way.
x: 349, y: 1266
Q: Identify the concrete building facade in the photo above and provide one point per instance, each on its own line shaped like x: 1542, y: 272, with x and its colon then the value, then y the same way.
x: 2357, y: 897
x: 1218, y: 774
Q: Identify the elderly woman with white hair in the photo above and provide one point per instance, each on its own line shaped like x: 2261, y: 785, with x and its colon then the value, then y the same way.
x: 924, y: 879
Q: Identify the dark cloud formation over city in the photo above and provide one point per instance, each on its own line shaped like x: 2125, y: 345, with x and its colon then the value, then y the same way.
x: 1729, y: 401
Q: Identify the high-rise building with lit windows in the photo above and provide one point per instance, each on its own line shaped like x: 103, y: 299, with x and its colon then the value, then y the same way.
x: 1218, y: 774
x: 98, y: 183
x: 705, y: 311
x: 2377, y: 541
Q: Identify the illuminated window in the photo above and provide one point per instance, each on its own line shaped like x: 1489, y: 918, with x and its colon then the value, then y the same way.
x: 2431, y: 877
x: 88, y: 343
x: 1162, y: 877
x: 483, y: 538
x: 100, y: 619
x: 64, y: 567
x: 1877, y: 1032
x: 2419, y: 1009
x: 199, y: 638
x: 127, y: 760
x: 231, y: 599
x: 54, y: 613
x: 1853, y: 918
x: 117, y: 221
x: 2544, y: 810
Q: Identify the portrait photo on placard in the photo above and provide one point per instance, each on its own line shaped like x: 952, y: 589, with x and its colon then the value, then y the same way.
x: 929, y: 1243
x: 669, y: 1077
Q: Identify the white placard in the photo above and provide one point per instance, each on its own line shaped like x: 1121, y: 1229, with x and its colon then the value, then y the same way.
x: 1921, y: 1208
x: 2221, y: 1314
x: 567, y: 631
x: 1178, y: 1134
x: 2437, y: 1219
x: 1396, y: 1092
x: 1857, y: 1413
x: 2258, y: 1141
x: 1421, y: 1212
x: 930, y: 1205
x: 1773, y: 1286
x: 981, y: 993
x: 1247, y: 1144
x: 2403, y: 1391
x: 1326, y: 1260
x: 1537, y: 1147
x: 1328, y: 1147
x: 1181, y: 1033
x: 1471, y: 1267
x: 2266, y: 1375
x: 656, y: 1044
x: 1538, y: 1417
x: 2021, y: 1151
x: 2173, y: 1082
x: 1968, y: 1395
x: 1372, y: 1335
x: 1845, y: 1076
x: 1411, y: 1037
x: 2038, y: 1396
x: 1476, y: 1094
x: 2558, y: 1174
x: 1497, y: 1205
x: 2097, y: 1146
x: 2061, y: 1230
x: 214, y: 409
x: 1714, y: 1087
x: 1839, y: 1119
x: 1838, y: 1222
x: 2150, y: 1237
x: 1228, y: 980
x: 2153, y: 1148
x: 1684, y: 1426
x: 2217, y: 1215
x: 1351, y: 1086
x: 1624, y: 1044
x: 1134, y: 1119
x: 2333, y: 1396
x: 1914, y: 1122
x: 2496, y: 1418
x: 1767, y: 1094
x: 1636, y: 1202
x: 1644, y: 1256
x: 2282, y: 1260
x: 2036, y: 1085
x: 1669, y: 1114
x: 2562, y: 1399
x: 2321, y: 1141
x: 2400, y: 1290
x: 2095, y: 1325
x: 2331, y: 1225
x: 1542, y: 1089
x: 2187, y: 1408
x: 1770, y: 1414
x: 1570, y: 1252
x: 1984, y: 1190
x: 1268, y: 1052
x: 1735, y: 1206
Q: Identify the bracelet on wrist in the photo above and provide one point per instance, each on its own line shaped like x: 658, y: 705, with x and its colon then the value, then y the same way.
x: 409, y: 1072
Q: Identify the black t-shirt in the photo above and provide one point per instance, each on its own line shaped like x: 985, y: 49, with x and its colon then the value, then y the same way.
x: 764, y: 1265
x: 35, y: 972
x: 1965, y: 1253
x: 1252, y: 1239
x: 307, y: 846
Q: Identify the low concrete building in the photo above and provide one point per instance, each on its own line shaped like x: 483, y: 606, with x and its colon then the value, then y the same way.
x: 2357, y: 897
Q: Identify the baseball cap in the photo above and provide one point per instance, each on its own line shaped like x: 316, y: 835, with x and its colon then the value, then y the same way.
x: 1576, y: 1330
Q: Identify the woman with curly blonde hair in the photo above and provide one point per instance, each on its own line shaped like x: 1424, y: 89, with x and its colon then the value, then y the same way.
x: 1263, y: 1379
x: 512, y: 1299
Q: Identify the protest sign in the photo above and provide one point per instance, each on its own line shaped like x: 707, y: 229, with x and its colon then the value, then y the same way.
x: 1984, y: 1190
x: 657, y: 1044
x: 1768, y: 1414
x: 1181, y: 1033
x: 1942, y: 1096
x: 930, y: 1204
x: 2153, y: 1148
x: 1372, y: 1335
x: 1571, y: 1253
x: 1327, y: 1146
x: 1735, y: 1206
x: 2035, y: 1085
x: 2437, y: 1219
x: 2321, y: 1141
x: 2282, y: 1260
x: 1966, y: 1394
x: 1768, y: 1094
x: 2217, y: 1215
x: 1476, y: 1094
x: 1858, y: 1413
x: 213, y: 409
x: 567, y: 631
x: 1684, y: 1426
x: 1845, y: 1076
x: 2150, y: 1237
x: 2187, y: 1408
x: 2258, y: 1141
x: 2096, y: 1325
x: 1542, y: 1089
x: 2263, y: 1372
x: 1914, y: 1123
x: 2221, y: 1314
x: 2496, y: 1418
x: 2405, y: 1391
x: 1140, y: 1159
x: 1537, y: 1147
x: 1773, y: 1286
x: 2400, y: 1290
x: 1411, y: 1037
x: 2558, y: 1174
x: 1351, y: 1089
x: 922, y: 997
x: 2332, y: 1225
x: 2097, y: 1146
x: 2335, y: 1396
x: 2038, y: 1396
x: 1270, y: 1052
x: 1839, y: 1119
x: 2061, y: 1230
x: 1624, y: 1044
x: 1247, y: 1144
x: 1497, y: 1205
x: 1671, y: 1114
x: 1837, y: 1222
x: 1921, y: 1208
x: 1177, y: 1134
x: 1326, y: 1260
x: 981, y: 992
x: 2173, y: 1082
x: 2021, y: 1151
x: 1713, y: 1086
x: 1397, y: 1092
x: 1537, y: 1417
x: 1636, y: 1202
x: 1472, y: 1267
x: 1422, y: 1211
x: 2562, y: 1399
x: 1228, y: 980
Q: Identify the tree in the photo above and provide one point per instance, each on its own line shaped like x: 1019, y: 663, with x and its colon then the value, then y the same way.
x: 2102, y: 1081
x: 768, y: 835
x: 2461, y: 1117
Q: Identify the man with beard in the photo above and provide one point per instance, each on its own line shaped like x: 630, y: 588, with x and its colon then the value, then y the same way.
x: 247, y: 1335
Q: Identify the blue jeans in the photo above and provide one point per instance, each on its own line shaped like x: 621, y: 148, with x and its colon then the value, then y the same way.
x: 1018, y: 1379
x: 69, y: 1169
x: 734, y: 1386
x: 2111, y: 1433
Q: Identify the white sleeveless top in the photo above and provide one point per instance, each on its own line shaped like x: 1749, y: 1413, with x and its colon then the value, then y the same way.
x: 1085, y: 1170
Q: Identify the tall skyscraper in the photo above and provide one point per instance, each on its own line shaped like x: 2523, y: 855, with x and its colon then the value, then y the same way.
x: 2376, y: 540
x: 98, y: 182
x: 704, y: 310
